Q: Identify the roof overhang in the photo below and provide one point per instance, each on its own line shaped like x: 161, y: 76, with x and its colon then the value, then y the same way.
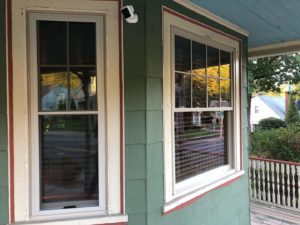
x: 272, y: 27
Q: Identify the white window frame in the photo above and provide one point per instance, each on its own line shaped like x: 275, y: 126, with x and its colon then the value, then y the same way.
x: 177, y: 194
x: 26, y: 197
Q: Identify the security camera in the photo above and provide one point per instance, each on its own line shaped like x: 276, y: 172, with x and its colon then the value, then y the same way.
x: 129, y: 15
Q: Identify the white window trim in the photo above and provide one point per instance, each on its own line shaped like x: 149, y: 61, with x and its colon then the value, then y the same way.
x: 178, y: 194
x: 25, y: 204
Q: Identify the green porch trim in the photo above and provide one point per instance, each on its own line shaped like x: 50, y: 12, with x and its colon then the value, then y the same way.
x: 4, y: 213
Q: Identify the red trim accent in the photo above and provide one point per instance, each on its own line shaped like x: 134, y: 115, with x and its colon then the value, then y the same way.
x: 121, y: 223
x: 275, y: 161
x: 121, y: 113
x: 10, y: 111
x: 187, y: 203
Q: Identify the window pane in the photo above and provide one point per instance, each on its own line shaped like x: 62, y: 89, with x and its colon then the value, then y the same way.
x: 82, y: 43
x: 54, y: 89
x: 83, y: 88
x: 225, y: 65
x: 69, y: 161
x: 182, y: 90
x: 182, y: 54
x: 213, y: 92
x: 199, y: 91
x: 199, y: 143
x: 225, y: 93
x: 199, y: 58
x: 52, y: 38
x: 212, y: 61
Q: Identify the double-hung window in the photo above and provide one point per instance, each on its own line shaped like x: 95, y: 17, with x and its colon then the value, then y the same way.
x: 201, y: 110
x: 68, y: 112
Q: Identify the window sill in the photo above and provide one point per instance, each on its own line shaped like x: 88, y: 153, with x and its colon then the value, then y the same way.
x: 105, y: 220
x: 183, y: 200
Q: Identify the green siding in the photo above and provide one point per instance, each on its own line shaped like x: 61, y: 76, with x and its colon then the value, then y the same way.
x: 3, y: 120
x: 143, y: 66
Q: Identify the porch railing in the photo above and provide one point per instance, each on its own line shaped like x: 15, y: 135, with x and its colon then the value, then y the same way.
x: 275, y: 182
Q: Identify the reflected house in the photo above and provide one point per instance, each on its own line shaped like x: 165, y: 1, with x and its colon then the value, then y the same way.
x: 56, y: 98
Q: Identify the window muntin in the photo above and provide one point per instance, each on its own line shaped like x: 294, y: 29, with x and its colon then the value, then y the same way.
x: 202, y: 87
x: 68, y: 115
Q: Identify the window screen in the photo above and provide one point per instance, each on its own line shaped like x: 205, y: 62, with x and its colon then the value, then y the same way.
x: 202, y: 87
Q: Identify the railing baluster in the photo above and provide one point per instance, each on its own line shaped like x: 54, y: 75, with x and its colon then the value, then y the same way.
x: 293, y: 185
x: 258, y: 180
x: 288, y: 187
x: 273, y: 182
x: 278, y: 183
x: 254, y: 179
x: 267, y: 166
x: 283, y: 185
x: 263, y: 169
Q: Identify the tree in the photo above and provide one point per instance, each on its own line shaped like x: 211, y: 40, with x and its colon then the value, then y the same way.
x: 292, y: 115
x: 267, y: 74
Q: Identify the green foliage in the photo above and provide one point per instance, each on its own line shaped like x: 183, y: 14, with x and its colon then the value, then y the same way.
x: 282, y: 143
x: 292, y: 115
x: 269, y: 123
x: 267, y: 74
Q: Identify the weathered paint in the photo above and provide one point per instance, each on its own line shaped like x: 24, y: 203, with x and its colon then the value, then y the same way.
x: 143, y: 65
x: 3, y: 120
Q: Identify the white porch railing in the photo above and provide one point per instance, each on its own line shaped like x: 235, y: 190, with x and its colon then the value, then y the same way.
x: 275, y: 182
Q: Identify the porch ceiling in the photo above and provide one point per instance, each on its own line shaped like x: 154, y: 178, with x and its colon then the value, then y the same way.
x: 269, y: 22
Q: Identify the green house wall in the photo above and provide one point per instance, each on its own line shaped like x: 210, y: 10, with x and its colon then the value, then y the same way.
x: 3, y: 121
x: 144, y: 129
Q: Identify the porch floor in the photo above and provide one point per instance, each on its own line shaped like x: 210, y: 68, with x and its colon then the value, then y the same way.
x: 268, y: 215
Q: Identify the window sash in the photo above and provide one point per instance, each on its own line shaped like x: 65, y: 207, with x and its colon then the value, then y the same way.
x: 100, y: 113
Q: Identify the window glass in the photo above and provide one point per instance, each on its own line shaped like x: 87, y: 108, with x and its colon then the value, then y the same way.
x: 183, y: 90
x: 199, y: 58
x: 212, y: 61
x: 69, y: 161
x: 199, y: 91
x: 199, y: 142
x: 182, y: 54
x: 52, y: 40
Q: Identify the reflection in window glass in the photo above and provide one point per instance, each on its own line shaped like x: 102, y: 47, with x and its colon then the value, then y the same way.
x: 212, y: 61
x: 182, y: 54
x: 199, y: 91
x: 199, y: 58
x: 225, y: 93
x: 67, y: 83
x: 182, y: 90
x: 199, y: 142
x: 54, y: 90
x: 69, y: 161
x: 83, y: 89
x: 225, y: 64
x: 213, y: 92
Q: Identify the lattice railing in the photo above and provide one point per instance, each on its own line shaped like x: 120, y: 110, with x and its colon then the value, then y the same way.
x: 275, y: 182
